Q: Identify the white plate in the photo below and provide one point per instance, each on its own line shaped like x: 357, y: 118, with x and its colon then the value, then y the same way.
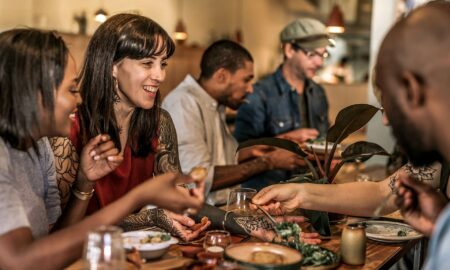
x: 386, y: 231
x: 148, y: 250
x: 320, y: 148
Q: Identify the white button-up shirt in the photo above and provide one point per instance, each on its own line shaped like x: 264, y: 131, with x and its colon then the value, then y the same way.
x: 203, y: 136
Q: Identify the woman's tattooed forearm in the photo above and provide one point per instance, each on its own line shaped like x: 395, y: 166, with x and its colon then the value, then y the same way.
x: 167, y: 156
x: 66, y: 165
x: 422, y: 174
x: 149, y: 218
x: 253, y: 223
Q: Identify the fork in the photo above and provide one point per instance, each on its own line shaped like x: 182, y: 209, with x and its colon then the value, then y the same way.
x: 274, y: 222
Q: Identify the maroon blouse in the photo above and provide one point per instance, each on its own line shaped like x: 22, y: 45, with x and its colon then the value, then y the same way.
x: 130, y: 173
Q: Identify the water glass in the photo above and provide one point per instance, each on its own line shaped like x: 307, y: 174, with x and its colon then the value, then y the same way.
x: 238, y: 201
x: 216, y: 241
x: 103, y: 249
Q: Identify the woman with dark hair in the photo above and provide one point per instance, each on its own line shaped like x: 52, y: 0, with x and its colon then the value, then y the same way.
x: 38, y: 95
x: 123, y: 69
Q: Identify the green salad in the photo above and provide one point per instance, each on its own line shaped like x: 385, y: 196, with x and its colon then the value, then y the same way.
x: 313, y: 255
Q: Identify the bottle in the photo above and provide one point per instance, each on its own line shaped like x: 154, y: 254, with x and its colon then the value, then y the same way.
x: 353, y: 244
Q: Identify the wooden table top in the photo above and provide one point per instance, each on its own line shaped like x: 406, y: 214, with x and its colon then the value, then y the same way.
x: 378, y: 255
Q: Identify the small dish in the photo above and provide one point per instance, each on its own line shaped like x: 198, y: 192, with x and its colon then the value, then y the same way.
x: 387, y: 231
x: 134, y: 239
x: 245, y: 254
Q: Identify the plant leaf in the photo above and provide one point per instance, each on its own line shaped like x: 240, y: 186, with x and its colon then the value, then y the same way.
x: 277, y: 142
x: 349, y: 120
x: 362, y: 151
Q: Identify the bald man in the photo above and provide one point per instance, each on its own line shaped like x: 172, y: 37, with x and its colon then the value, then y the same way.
x: 413, y: 76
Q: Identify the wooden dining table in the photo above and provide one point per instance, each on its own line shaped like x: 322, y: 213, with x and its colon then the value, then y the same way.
x: 378, y: 255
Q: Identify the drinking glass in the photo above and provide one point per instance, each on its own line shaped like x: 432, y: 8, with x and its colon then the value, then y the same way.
x: 238, y: 201
x: 216, y: 241
x: 103, y: 249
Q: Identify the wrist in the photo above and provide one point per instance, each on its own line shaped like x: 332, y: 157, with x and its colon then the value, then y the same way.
x: 82, y: 195
x: 267, y: 160
x: 82, y: 183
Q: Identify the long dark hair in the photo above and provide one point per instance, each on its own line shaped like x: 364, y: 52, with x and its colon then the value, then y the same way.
x: 32, y: 64
x: 121, y: 36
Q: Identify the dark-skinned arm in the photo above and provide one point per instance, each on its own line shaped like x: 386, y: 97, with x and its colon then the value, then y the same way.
x: 225, y: 176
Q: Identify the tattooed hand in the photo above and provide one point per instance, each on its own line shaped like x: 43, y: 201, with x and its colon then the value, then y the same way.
x: 177, y: 225
x: 183, y: 226
x: 261, y: 228
x: 99, y: 157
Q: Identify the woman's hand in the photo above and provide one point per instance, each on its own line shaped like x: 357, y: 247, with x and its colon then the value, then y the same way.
x: 165, y: 191
x: 183, y: 226
x: 279, y: 199
x: 98, y: 158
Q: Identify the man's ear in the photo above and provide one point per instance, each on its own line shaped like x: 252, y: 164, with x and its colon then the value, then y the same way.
x: 415, y: 89
x: 288, y: 50
x: 221, y: 76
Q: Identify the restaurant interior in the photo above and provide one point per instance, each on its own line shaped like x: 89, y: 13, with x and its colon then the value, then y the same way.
x: 357, y: 28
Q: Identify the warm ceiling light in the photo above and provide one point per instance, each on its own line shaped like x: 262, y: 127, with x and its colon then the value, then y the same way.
x: 101, y: 15
x: 180, y: 31
x: 335, y: 23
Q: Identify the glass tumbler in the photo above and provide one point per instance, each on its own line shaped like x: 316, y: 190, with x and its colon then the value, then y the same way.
x: 103, y: 249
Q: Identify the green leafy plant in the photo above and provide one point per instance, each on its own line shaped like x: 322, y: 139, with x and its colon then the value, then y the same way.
x: 348, y: 120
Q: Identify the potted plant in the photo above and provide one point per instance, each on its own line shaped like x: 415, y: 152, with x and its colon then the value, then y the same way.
x: 348, y: 120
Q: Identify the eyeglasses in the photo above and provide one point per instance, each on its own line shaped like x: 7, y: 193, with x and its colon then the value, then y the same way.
x: 311, y: 54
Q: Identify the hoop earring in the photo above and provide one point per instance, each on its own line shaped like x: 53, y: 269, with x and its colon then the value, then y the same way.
x: 116, y: 97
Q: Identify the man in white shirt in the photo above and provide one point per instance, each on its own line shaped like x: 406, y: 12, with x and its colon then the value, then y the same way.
x: 197, y: 108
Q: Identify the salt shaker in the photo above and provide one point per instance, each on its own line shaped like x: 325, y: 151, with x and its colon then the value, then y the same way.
x: 353, y: 244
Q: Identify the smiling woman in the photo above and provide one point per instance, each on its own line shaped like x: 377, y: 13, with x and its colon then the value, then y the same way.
x: 124, y: 67
x: 37, y: 97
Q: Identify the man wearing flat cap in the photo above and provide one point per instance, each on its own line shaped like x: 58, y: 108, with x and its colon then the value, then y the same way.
x: 288, y: 103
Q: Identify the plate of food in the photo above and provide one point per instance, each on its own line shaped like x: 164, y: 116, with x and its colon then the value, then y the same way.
x: 314, y: 257
x: 390, y: 232
x: 318, y: 146
x: 264, y: 256
x: 150, y: 244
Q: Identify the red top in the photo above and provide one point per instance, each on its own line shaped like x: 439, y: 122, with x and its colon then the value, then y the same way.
x: 130, y: 173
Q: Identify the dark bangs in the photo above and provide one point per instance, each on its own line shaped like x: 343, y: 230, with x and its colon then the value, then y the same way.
x: 135, y: 42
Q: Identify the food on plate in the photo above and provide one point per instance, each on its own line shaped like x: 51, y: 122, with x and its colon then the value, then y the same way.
x: 288, y: 232
x: 266, y: 257
x: 154, y: 239
x: 402, y: 233
x: 313, y: 255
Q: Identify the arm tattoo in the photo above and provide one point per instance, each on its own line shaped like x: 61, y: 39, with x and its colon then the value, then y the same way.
x: 422, y: 174
x: 253, y: 223
x: 167, y: 154
x: 66, y: 165
x: 155, y: 217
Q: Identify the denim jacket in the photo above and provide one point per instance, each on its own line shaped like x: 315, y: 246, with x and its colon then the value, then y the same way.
x: 273, y: 109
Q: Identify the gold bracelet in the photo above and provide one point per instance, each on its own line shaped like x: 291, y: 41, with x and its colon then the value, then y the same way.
x: 84, y: 196
x: 225, y: 219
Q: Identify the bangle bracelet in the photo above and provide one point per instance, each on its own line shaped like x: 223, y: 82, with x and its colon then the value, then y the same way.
x: 84, y: 196
x: 225, y: 219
